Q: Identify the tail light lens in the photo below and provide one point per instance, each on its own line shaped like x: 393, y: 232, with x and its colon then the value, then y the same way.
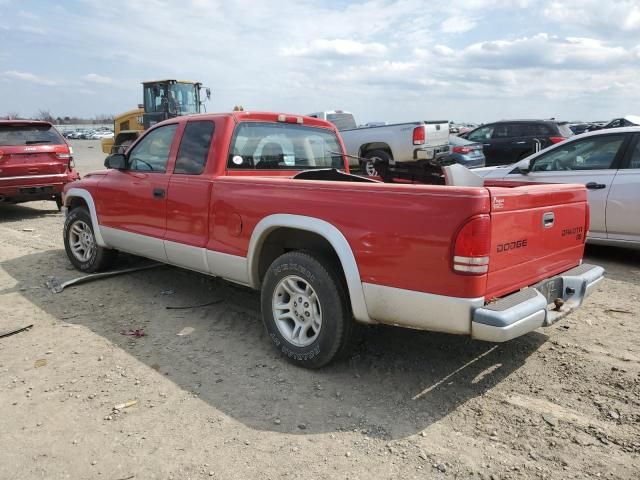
x: 418, y: 135
x: 557, y: 139
x: 462, y: 149
x: 472, y: 246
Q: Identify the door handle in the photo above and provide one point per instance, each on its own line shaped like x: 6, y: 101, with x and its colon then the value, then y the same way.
x: 486, y: 144
x: 548, y: 219
x: 520, y: 143
x: 595, y: 186
x: 158, y: 192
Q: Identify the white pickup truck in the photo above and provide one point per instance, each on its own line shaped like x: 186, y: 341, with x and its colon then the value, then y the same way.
x: 401, y: 150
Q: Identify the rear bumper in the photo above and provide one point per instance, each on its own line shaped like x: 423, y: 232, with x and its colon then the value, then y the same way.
x: 528, y: 309
x: 34, y: 187
x: 429, y: 153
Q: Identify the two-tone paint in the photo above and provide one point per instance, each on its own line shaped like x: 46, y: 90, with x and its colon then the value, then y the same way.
x: 394, y: 242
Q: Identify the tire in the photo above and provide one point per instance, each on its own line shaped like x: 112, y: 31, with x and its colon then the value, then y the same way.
x: 377, y: 162
x: 80, y: 243
x: 312, y: 332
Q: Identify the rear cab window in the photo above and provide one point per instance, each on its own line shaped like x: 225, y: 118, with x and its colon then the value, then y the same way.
x: 25, y: 134
x: 283, y: 146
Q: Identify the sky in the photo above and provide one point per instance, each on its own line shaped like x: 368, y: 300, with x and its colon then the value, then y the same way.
x: 383, y: 60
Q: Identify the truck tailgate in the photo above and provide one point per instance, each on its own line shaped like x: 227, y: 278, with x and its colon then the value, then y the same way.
x: 536, y: 231
x: 436, y: 133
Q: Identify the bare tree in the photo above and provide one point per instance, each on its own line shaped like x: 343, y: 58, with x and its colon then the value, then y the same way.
x: 45, y: 115
x: 13, y: 115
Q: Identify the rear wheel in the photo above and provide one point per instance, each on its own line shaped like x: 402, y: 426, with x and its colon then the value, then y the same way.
x: 80, y: 243
x: 304, y: 309
x: 377, y: 163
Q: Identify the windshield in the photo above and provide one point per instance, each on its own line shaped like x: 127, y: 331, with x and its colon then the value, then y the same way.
x: 185, y: 98
x: 284, y: 146
x: 15, y: 135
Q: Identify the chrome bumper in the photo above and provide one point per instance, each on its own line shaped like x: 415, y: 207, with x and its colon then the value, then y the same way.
x: 528, y: 309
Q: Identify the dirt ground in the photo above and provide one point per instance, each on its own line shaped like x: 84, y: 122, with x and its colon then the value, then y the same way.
x: 218, y: 401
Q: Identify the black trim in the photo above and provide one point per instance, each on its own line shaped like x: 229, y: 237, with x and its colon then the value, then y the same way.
x: 625, y: 162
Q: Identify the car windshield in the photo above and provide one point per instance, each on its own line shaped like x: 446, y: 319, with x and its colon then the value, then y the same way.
x: 284, y: 146
x: 15, y: 135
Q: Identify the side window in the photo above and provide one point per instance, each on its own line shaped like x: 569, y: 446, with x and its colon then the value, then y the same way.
x: 517, y: 130
x: 481, y: 134
x: 635, y: 156
x: 537, y: 129
x: 594, y: 153
x: 194, y: 148
x: 152, y: 153
x: 500, y: 131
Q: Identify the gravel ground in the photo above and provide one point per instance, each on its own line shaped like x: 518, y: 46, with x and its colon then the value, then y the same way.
x: 214, y: 400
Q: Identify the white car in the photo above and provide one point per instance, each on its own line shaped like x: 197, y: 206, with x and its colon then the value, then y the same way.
x: 607, y: 162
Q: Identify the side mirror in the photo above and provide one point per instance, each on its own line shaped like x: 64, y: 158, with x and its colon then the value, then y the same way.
x: 116, y: 161
x: 208, y: 92
x: 523, y: 166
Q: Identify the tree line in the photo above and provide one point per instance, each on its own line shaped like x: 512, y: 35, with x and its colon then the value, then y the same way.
x: 46, y: 115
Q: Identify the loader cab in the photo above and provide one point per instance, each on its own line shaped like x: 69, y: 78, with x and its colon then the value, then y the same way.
x: 170, y: 98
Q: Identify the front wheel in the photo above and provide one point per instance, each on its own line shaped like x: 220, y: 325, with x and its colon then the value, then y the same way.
x: 304, y: 309
x: 80, y: 243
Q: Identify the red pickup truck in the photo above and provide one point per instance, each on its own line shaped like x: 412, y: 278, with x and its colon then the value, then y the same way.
x: 266, y: 200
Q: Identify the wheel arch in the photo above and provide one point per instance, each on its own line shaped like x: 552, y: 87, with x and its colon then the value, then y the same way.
x: 76, y: 197
x: 320, y: 231
x: 369, y: 147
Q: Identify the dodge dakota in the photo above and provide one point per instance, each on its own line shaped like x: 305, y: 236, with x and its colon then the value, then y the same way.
x: 266, y: 200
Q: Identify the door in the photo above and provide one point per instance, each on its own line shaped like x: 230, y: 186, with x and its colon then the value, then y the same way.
x: 623, y: 204
x: 132, y: 203
x: 188, y: 198
x: 483, y: 136
x: 591, y: 161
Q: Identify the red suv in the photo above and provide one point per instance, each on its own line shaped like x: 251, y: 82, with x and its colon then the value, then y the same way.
x: 35, y: 162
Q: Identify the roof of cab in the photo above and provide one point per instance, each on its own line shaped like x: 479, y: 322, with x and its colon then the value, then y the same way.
x: 245, y: 116
x: 24, y: 122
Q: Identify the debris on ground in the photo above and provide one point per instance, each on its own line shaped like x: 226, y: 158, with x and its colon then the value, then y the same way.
x: 213, y: 302
x: 14, y: 331
x: 185, y: 331
x: 56, y: 286
x: 41, y: 362
x: 138, y: 332
x: 122, y: 406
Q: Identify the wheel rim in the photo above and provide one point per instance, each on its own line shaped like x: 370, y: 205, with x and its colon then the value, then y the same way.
x: 296, y: 311
x: 81, y: 240
x: 369, y: 169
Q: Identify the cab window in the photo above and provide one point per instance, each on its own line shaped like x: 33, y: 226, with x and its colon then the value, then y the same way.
x: 151, y: 154
x: 635, y: 156
x: 283, y: 146
x: 194, y: 148
x: 594, y: 153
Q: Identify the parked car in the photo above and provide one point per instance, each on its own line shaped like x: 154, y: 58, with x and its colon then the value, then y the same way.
x: 100, y: 134
x: 270, y: 204
x: 465, y: 152
x: 628, y: 121
x: 608, y: 163
x: 35, y: 162
x: 578, y: 128
x: 508, y: 141
x: 391, y: 151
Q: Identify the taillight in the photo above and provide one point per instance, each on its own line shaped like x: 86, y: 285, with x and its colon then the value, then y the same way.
x: 418, y: 135
x: 472, y: 246
x: 557, y: 139
x: 462, y: 149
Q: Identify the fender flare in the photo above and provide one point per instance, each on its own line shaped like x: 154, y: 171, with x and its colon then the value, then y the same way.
x: 86, y: 196
x: 326, y: 230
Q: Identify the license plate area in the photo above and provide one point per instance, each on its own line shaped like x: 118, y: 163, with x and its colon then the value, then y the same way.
x: 551, y: 289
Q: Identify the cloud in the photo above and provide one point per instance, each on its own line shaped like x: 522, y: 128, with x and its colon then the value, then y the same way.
x: 30, y: 77
x: 458, y: 24
x: 323, y: 48
x: 95, y: 78
x: 610, y: 18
